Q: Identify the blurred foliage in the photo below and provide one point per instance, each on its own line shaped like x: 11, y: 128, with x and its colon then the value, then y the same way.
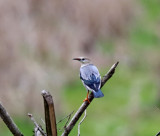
x: 144, y: 38
x: 152, y: 9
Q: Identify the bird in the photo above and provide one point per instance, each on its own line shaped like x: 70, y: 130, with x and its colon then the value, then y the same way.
x: 90, y: 77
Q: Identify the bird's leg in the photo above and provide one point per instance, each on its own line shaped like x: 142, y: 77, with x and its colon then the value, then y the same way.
x: 86, y: 99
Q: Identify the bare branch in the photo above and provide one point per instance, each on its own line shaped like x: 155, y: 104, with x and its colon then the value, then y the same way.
x: 86, y: 104
x: 50, y: 118
x: 9, y: 122
x: 68, y: 118
x: 37, y: 129
x: 85, y: 115
x: 109, y: 74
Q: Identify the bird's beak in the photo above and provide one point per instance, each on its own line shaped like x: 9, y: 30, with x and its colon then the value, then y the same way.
x: 77, y: 59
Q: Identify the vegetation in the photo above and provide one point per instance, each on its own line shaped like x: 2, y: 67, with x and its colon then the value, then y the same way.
x: 132, y: 99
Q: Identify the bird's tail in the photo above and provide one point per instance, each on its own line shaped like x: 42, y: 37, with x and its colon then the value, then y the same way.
x: 98, y: 94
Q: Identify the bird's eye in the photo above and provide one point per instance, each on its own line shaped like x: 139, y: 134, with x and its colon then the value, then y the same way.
x: 83, y: 59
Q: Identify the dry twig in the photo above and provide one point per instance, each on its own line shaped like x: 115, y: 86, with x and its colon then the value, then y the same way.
x: 85, y: 115
x: 37, y: 130
x: 68, y: 118
x: 9, y: 122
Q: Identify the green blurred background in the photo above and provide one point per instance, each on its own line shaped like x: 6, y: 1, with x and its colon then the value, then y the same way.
x: 38, y: 40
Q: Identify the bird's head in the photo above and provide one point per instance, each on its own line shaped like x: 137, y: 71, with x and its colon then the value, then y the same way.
x: 83, y: 60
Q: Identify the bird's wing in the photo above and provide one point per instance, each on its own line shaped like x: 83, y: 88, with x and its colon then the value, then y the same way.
x: 90, y: 76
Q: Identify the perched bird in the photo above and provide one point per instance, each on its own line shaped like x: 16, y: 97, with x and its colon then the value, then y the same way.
x: 90, y: 77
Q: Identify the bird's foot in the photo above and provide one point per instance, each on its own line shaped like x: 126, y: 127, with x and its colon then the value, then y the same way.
x: 86, y: 99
